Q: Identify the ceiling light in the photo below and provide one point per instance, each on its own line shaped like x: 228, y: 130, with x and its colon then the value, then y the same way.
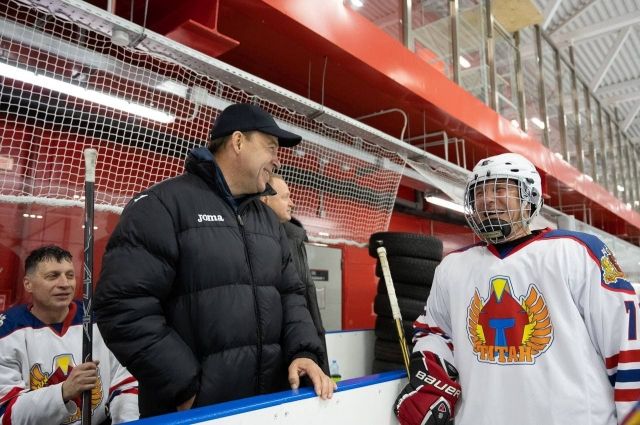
x: 82, y: 93
x: 464, y: 62
x: 538, y: 122
x: 515, y: 123
x: 444, y: 203
x: 27, y: 215
x: 620, y: 188
x: 357, y: 3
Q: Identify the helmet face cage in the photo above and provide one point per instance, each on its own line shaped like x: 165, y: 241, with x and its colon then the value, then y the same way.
x: 513, y: 199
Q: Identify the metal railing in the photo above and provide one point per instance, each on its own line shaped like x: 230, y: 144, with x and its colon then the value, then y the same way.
x: 527, y: 79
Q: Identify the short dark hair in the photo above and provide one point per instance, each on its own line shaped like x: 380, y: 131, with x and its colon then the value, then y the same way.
x: 215, y: 144
x: 45, y: 253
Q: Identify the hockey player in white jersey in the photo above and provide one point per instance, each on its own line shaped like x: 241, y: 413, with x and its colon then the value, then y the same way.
x: 42, y: 376
x: 526, y: 327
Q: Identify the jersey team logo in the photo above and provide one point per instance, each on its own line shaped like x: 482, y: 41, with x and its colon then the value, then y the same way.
x: 62, y: 366
x: 611, y: 271
x: 504, y: 330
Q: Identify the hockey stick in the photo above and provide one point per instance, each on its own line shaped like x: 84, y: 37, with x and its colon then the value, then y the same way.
x: 90, y: 159
x: 395, y: 309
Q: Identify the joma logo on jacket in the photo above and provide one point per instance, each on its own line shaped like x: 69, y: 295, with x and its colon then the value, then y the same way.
x: 209, y: 217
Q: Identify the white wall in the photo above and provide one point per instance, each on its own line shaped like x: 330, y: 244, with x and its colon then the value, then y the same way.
x: 353, y: 350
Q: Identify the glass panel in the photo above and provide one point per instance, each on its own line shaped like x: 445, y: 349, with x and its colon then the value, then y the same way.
x: 386, y: 15
x: 629, y: 182
x: 609, y: 153
x: 614, y: 160
x: 471, y: 47
x: 596, y: 172
x: 621, y: 165
x: 584, y: 143
x: 633, y: 175
x: 432, y: 34
x: 530, y: 75
x: 601, y: 152
x: 635, y: 158
x: 551, y: 93
x: 570, y: 117
x: 505, y: 60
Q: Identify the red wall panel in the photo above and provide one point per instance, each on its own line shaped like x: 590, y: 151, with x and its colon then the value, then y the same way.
x: 358, y: 288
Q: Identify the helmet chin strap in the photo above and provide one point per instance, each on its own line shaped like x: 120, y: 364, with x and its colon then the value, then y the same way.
x: 495, y: 229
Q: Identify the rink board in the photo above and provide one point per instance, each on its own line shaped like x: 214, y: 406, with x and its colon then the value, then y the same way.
x: 367, y: 400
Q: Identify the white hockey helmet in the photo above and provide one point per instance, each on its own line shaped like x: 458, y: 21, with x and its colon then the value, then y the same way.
x: 511, y: 168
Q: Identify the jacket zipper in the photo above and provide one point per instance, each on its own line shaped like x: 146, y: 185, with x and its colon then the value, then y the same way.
x: 255, y: 304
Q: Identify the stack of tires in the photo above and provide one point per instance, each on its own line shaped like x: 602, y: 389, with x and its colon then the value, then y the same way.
x: 412, y: 261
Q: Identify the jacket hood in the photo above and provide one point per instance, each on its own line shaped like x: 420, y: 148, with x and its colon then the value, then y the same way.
x: 202, y: 163
x: 295, y: 230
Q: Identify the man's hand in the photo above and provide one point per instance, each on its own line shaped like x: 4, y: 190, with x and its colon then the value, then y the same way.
x: 187, y: 404
x: 431, y: 394
x: 82, y: 378
x: 322, y: 384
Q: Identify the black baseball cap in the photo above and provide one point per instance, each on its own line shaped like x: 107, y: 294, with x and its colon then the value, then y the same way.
x: 248, y: 117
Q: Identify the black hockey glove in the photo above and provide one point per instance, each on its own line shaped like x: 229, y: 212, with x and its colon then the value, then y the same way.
x: 431, y: 394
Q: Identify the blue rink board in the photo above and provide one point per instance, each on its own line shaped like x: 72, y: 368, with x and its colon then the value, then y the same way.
x: 249, y: 404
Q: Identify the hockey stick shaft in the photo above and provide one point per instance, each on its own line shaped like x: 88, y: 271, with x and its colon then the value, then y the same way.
x: 395, y: 308
x: 90, y: 159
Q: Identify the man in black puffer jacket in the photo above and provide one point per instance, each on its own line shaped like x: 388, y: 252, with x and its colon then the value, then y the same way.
x: 198, y: 296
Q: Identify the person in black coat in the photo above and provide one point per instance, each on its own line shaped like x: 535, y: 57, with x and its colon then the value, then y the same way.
x: 198, y: 296
x: 283, y: 205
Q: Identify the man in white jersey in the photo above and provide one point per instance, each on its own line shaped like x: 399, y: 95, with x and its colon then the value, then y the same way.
x: 42, y: 375
x: 526, y: 327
